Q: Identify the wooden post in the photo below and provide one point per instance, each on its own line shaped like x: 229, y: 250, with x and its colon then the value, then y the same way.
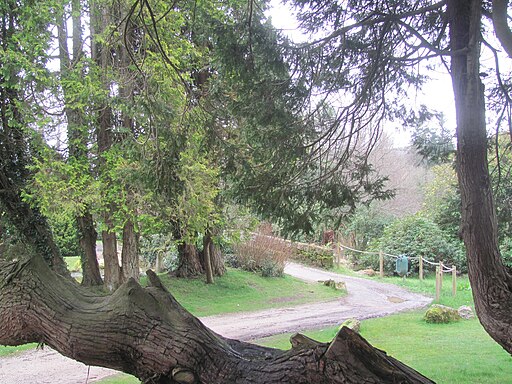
x: 159, y: 262
x: 381, y: 264
x: 438, y: 288
x: 421, y: 267
x: 441, y: 275
x: 454, y: 280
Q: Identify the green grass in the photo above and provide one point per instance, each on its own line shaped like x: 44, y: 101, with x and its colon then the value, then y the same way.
x: 457, y: 353
x: 427, y: 286
x: 239, y: 291
x: 7, y: 350
x: 73, y: 263
x: 122, y: 378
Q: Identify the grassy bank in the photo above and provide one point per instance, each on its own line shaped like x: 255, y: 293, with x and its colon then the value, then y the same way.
x: 240, y: 291
x: 457, y: 353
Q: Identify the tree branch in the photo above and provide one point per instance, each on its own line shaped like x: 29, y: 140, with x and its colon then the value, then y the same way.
x: 499, y: 20
x: 147, y: 333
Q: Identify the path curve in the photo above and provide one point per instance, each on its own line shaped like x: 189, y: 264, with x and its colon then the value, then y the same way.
x: 365, y: 299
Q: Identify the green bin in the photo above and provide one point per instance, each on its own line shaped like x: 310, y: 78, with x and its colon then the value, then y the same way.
x: 402, y: 265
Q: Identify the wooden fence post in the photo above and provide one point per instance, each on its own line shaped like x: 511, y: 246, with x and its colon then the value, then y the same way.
x: 454, y: 280
x: 441, y: 275
x: 381, y: 264
x: 159, y: 261
x: 421, y: 267
x: 438, y: 288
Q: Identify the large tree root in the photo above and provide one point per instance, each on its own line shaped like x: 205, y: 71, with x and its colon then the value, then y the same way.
x: 147, y: 333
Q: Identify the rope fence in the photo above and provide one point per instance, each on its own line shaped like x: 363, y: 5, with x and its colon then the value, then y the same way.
x: 441, y: 269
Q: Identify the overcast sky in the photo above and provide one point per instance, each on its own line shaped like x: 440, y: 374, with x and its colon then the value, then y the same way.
x: 437, y: 94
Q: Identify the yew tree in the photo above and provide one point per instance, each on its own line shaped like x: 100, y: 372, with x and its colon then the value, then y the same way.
x: 369, y: 52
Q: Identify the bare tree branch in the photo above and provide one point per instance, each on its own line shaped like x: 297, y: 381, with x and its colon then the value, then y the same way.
x: 499, y: 20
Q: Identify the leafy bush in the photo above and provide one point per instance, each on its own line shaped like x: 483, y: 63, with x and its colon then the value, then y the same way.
x: 414, y: 236
x: 263, y: 254
x: 506, y: 251
x: 440, y: 314
x: 364, y: 226
x: 65, y: 235
x: 316, y: 257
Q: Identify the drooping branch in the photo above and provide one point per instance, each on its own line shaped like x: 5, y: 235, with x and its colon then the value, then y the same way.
x: 147, y: 333
x: 499, y: 21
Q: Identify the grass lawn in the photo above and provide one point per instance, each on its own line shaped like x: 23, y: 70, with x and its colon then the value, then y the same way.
x: 460, y: 352
x: 239, y: 291
x: 447, y: 353
x: 73, y: 263
x: 7, y: 350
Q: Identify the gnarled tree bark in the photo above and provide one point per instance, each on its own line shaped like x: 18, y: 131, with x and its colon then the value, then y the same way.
x: 147, y: 333
x: 490, y: 280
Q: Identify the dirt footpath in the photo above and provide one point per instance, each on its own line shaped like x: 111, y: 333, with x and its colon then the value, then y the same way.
x: 365, y: 299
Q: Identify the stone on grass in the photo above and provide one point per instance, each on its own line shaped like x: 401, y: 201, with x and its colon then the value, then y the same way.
x: 441, y: 314
x: 353, y: 324
x: 465, y: 312
x: 338, y: 285
x: 367, y: 272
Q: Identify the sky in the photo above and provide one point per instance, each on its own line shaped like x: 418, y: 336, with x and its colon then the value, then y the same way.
x: 436, y: 94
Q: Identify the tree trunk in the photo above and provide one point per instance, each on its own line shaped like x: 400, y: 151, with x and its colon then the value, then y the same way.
x: 113, y: 273
x: 207, y: 262
x: 30, y: 224
x: 90, y: 267
x: 216, y: 259
x: 491, y: 283
x: 16, y: 152
x: 189, y: 263
x: 146, y: 333
x: 77, y: 139
x: 130, y: 252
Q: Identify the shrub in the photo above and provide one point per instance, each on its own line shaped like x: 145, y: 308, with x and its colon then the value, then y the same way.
x: 263, y: 254
x: 414, y: 236
x: 65, y: 234
x: 506, y: 251
x: 440, y: 314
x: 317, y: 257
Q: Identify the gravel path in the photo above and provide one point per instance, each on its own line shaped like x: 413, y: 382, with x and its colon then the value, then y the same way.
x: 365, y: 299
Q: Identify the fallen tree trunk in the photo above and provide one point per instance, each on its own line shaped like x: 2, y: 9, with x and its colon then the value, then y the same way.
x: 147, y: 333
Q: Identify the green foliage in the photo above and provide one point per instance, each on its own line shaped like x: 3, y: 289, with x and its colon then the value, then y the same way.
x: 434, y: 145
x: 365, y: 225
x: 442, y: 199
x: 196, y: 209
x: 439, y: 314
x: 153, y: 245
x: 65, y: 235
x: 315, y: 257
x: 414, y: 236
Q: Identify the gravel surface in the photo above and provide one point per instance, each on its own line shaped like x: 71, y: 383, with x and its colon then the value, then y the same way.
x: 365, y: 299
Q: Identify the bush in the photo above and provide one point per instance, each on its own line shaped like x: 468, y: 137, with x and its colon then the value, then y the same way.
x: 316, y: 257
x: 65, y: 235
x: 440, y: 314
x: 266, y: 255
x: 506, y: 251
x: 414, y: 236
